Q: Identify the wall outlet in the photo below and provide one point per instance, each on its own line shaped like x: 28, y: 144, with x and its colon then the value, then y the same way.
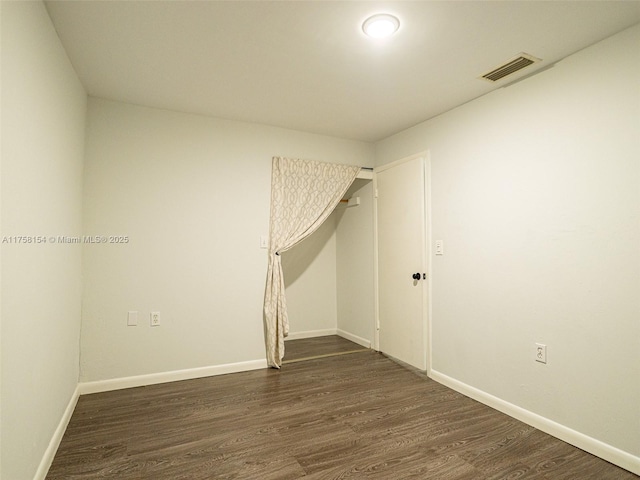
x: 541, y: 353
x: 132, y: 318
x: 155, y: 319
x: 439, y: 247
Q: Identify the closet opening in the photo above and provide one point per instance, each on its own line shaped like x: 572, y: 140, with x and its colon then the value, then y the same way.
x: 329, y: 281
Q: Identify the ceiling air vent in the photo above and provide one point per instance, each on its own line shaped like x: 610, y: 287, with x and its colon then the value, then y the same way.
x: 512, y: 66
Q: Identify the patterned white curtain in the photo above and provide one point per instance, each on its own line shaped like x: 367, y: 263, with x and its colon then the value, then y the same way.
x: 303, y: 195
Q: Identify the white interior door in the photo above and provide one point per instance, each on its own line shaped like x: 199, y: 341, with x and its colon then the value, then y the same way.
x: 400, y: 223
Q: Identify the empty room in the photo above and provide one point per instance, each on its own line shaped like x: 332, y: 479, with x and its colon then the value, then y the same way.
x: 320, y: 240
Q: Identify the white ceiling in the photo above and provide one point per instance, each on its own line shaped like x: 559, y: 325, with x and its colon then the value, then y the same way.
x: 306, y: 65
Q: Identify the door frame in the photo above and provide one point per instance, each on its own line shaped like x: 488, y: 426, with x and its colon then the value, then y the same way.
x: 426, y: 253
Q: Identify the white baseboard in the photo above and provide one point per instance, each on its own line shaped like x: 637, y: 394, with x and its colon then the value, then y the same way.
x: 311, y: 334
x: 329, y: 331
x: 172, y: 376
x: 589, y: 444
x: 54, y: 443
x: 354, y: 338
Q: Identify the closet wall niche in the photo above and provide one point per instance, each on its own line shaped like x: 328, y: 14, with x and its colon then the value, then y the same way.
x: 329, y: 276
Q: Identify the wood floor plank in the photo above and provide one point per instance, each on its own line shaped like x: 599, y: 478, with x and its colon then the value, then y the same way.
x: 358, y: 416
x: 318, y: 347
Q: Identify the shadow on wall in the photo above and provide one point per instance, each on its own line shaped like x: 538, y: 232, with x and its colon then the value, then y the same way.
x: 300, y: 257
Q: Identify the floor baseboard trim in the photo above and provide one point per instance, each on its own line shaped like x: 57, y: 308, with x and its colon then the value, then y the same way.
x: 311, y: 334
x: 584, y: 442
x: 172, y: 376
x: 54, y: 443
x: 354, y: 338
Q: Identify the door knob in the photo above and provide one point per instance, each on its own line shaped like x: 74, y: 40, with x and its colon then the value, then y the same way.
x: 416, y: 276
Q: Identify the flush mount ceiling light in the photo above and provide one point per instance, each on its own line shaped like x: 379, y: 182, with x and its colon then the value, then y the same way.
x: 381, y: 25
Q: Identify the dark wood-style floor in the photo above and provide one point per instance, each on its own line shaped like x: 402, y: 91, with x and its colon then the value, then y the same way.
x: 310, y: 348
x: 348, y: 416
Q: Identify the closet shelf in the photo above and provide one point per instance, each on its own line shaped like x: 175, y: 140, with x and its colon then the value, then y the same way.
x: 365, y: 174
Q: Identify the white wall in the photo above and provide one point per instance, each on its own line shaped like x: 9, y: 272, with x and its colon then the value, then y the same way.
x: 43, y: 114
x: 355, y: 260
x: 536, y: 194
x: 310, y: 282
x: 192, y: 193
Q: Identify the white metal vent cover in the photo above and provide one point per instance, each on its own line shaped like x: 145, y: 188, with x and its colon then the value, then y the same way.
x: 523, y: 60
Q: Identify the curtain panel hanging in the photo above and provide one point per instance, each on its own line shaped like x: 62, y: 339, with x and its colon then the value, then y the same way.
x: 303, y: 195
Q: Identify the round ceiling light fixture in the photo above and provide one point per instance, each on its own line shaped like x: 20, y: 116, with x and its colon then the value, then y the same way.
x: 381, y: 25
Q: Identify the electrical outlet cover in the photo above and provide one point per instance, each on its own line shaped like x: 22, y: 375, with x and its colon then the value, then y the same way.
x: 541, y: 353
x: 155, y: 319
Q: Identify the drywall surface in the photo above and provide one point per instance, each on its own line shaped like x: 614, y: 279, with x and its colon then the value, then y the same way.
x: 354, y: 270
x: 43, y: 115
x: 191, y: 195
x: 535, y: 191
x: 310, y: 281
